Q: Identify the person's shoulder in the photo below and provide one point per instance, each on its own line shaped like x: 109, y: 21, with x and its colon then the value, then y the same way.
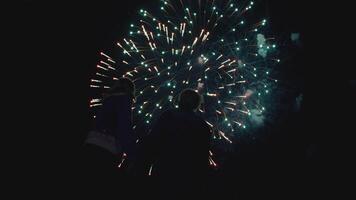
x: 175, y: 114
x: 202, y: 121
x: 119, y: 97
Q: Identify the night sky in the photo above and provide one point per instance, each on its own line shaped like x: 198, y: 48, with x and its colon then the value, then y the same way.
x: 68, y: 37
x: 62, y: 42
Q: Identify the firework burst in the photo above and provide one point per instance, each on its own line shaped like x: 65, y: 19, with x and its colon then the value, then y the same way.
x: 218, y: 48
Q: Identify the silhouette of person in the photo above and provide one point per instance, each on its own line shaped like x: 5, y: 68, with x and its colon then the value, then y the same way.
x: 176, y: 150
x: 112, y: 136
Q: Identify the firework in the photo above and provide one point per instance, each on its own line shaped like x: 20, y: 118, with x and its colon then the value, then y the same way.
x: 220, y: 48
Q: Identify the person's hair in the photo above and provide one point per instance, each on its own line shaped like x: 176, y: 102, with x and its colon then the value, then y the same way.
x: 123, y: 85
x: 189, y: 99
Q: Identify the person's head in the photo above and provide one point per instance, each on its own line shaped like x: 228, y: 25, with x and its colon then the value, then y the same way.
x: 189, y: 100
x: 123, y: 86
